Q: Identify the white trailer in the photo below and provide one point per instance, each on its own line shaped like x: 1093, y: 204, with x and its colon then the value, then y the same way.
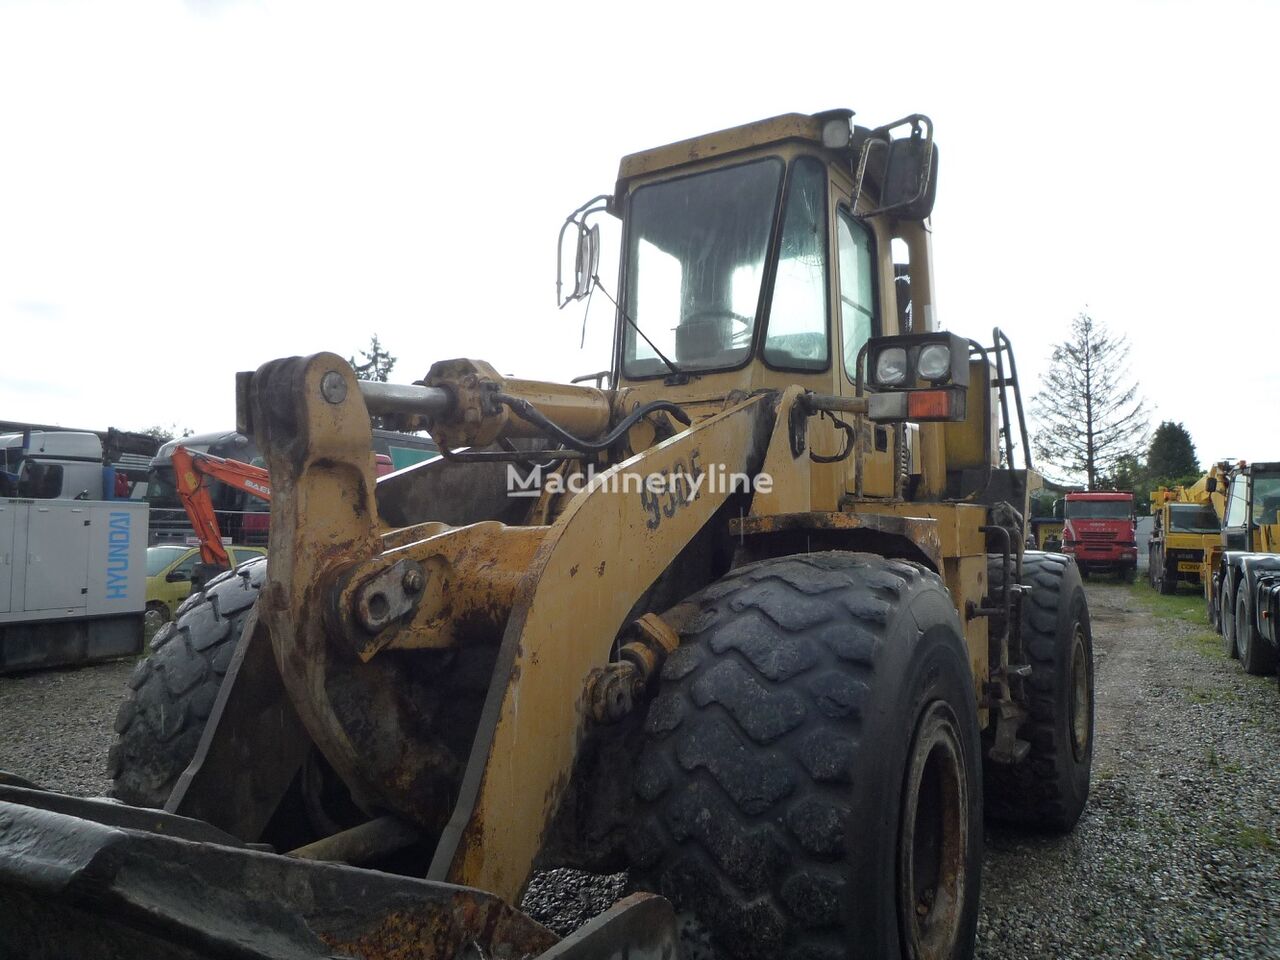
x: 73, y: 580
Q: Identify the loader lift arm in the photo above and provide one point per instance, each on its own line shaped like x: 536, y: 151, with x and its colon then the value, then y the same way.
x: 191, y: 467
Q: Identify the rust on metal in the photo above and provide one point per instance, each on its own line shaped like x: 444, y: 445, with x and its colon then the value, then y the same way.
x: 510, y: 791
x: 431, y: 932
x: 362, y: 844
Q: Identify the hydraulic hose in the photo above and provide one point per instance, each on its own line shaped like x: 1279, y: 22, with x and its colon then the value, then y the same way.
x: 527, y: 411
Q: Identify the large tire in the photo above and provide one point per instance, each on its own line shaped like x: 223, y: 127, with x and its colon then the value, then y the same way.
x: 1256, y: 655
x: 810, y: 779
x: 172, y: 691
x: 1227, y: 617
x: 1049, y: 788
x: 1168, y: 582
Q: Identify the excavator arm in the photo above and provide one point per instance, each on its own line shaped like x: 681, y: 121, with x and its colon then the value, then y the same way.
x: 191, y: 467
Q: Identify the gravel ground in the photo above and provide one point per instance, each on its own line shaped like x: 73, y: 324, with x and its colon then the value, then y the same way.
x: 55, y: 726
x: 1178, y: 852
x: 1177, y: 855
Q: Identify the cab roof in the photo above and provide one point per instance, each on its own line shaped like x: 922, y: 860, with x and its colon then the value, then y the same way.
x: 788, y: 126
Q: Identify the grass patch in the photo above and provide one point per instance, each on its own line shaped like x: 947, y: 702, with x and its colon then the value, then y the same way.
x: 1186, y: 607
x: 1243, y: 836
x: 1215, y: 695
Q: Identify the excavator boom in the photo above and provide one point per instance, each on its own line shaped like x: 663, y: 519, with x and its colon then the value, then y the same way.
x: 190, y: 468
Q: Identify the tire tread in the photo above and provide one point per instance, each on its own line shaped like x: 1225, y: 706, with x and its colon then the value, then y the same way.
x: 172, y: 691
x: 743, y: 779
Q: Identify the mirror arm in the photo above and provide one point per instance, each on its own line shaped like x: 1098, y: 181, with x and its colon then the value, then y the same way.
x: 578, y: 220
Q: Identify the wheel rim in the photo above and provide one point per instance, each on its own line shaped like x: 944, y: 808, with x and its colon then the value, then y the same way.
x: 1227, y: 614
x: 1081, y: 702
x: 933, y: 841
x: 1240, y: 626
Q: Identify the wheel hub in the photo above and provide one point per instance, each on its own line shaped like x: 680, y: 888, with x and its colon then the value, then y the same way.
x: 933, y: 837
x: 1081, y: 706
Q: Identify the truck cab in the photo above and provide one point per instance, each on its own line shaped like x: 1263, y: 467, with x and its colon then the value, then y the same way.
x: 1182, y: 533
x: 1246, y: 581
x: 1100, y: 531
x: 52, y: 465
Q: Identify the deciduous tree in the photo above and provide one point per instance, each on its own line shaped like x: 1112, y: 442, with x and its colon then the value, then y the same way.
x: 1172, y: 457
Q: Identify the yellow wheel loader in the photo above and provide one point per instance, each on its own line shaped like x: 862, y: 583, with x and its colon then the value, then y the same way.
x: 749, y: 618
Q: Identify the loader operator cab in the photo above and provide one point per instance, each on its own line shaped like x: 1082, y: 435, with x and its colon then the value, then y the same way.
x: 764, y: 257
x: 769, y: 242
x: 759, y: 256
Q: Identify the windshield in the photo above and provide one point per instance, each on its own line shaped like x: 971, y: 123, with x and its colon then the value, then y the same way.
x: 695, y: 261
x: 160, y: 557
x: 160, y: 487
x: 1266, y: 498
x: 1190, y: 518
x: 1099, y: 509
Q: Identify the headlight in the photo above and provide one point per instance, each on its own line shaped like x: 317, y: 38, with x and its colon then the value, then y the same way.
x: 836, y: 133
x: 891, y: 366
x: 934, y: 362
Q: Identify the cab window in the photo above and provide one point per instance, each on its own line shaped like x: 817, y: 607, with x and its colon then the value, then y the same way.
x: 1236, y: 502
x: 184, y: 570
x: 240, y: 555
x: 798, y: 312
x: 858, y: 315
x: 1266, y: 499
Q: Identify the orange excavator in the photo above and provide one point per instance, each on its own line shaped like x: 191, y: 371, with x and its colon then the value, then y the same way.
x: 191, y: 467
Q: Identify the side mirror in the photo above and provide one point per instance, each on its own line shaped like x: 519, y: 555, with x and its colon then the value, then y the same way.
x: 1211, y: 485
x: 586, y: 256
x: 176, y: 576
x: 905, y: 168
x: 585, y: 262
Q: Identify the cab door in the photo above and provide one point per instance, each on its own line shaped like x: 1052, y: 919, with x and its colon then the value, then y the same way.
x: 1235, y: 522
x: 864, y: 296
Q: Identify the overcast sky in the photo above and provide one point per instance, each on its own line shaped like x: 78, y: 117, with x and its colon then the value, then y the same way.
x: 188, y: 190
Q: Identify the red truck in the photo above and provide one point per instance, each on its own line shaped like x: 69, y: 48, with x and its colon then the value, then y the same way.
x: 1099, y: 530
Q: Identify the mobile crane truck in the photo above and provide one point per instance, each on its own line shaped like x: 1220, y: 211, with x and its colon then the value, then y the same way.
x: 1246, y: 579
x: 754, y: 622
x: 1187, y: 523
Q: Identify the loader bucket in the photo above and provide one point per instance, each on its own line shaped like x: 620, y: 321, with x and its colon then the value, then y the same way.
x: 99, y: 880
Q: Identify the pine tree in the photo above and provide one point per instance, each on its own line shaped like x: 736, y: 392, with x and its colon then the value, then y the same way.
x: 1089, y: 410
x: 377, y: 364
